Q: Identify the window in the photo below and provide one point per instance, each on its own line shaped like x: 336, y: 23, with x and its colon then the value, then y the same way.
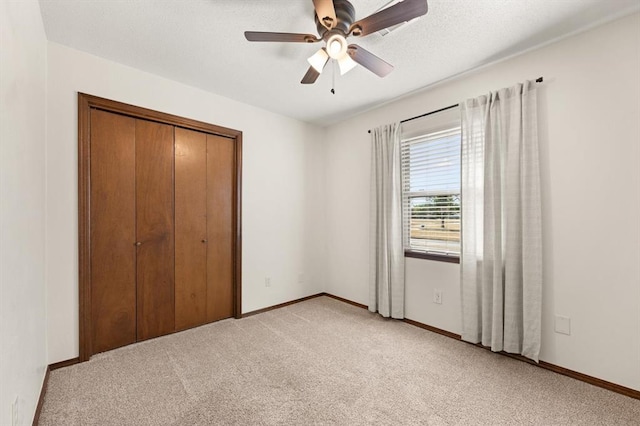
x: 431, y: 193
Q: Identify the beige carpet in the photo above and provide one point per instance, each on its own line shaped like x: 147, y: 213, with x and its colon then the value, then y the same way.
x: 320, y: 362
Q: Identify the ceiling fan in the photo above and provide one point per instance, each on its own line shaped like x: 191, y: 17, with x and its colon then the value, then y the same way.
x: 335, y: 22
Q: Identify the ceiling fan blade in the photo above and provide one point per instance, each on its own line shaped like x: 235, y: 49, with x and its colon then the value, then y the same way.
x: 369, y: 60
x: 282, y: 37
x: 326, y: 13
x: 396, y: 14
x: 311, y: 76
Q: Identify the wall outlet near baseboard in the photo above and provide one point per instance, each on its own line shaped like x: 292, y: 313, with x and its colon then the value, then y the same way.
x: 563, y: 325
x: 437, y: 296
x: 267, y: 281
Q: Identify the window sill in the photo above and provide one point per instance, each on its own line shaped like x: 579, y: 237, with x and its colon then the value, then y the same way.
x: 431, y: 256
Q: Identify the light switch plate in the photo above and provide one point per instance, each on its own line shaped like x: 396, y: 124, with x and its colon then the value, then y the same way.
x: 563, y: 325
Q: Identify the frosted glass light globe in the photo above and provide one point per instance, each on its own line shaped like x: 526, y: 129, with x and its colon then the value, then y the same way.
x: 336, y: 46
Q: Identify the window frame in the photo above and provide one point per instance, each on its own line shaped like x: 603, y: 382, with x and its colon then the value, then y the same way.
x: 430, y: 255
x: 424, y: 254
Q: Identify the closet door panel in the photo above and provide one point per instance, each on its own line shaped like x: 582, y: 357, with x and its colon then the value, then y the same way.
x: 220, y: 226
x: 155, y: 229
x: 191, y: 228
x: 112, y: 218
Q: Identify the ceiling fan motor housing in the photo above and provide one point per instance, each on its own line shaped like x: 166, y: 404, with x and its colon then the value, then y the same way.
x: 345, y: 15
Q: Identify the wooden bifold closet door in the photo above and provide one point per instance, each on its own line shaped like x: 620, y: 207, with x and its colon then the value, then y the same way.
x: 191, y: 228
x: 204, y: 223
x: 132, y: 250
x: 220, y: 175
x: 159, y: 229
x: 154, y: 229
x: 113, y: 231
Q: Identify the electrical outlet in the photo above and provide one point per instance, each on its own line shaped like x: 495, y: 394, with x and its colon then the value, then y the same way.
x: 267, y: 281
x: 563, y: 325
x: 14, y: 412
x: 437, y: 296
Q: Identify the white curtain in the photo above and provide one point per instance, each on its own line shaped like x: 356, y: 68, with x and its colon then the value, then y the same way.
x: 386, y: 287
x: 501, y: 261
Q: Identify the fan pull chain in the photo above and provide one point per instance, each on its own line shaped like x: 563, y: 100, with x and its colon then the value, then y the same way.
x: 333, y: 77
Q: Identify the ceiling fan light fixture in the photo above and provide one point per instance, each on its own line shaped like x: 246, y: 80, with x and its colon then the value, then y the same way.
x: 337, y: 46
x: 346, y: 64
x: 319, y: 60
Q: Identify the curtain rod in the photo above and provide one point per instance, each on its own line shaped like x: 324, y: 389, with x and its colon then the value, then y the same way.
x: 538, y: 80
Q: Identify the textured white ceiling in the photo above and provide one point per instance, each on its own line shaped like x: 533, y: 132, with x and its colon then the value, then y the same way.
x: 201, y: 43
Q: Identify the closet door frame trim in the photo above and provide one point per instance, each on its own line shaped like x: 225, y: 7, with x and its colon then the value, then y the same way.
x: 85, y: 104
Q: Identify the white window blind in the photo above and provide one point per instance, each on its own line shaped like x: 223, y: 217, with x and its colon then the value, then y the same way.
x: 431, y: 192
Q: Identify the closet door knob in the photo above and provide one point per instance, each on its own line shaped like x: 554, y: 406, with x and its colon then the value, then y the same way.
x: 138, y: 243
x: 204, y: 241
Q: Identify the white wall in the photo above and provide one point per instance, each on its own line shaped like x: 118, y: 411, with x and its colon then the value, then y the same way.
x: 282, y: 185
x: 590, y: 151
x: 22, y: 186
